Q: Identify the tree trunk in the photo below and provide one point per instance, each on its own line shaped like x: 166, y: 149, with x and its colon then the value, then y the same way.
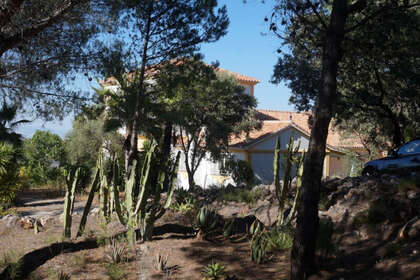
x: 304, y: 244
x: 131, y: 152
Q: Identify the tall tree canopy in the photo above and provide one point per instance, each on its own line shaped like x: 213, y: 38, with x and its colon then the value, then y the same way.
x: 316, y: 31
x: 158, y: 31
x: 43, y: 45
x: 205, y: 107
x: 377, y: 83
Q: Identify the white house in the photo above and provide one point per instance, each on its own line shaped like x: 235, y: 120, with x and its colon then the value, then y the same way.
x: 258, y: 146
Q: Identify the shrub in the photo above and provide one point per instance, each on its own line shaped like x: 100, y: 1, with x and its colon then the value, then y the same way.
x: 240, y: 195
x: 9, y: 175
x: 214, y: 271
x: 115, y: 272
x: 117, y: 252
x: 241, y: 172
x: 279, y: 239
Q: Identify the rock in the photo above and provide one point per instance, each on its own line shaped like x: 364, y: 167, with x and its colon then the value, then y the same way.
x: 94, y: 211
x: 414, y: 231
x: 45, y: 220
x: 267, y: 213
x: 11, y: 221
x: 29, y: 222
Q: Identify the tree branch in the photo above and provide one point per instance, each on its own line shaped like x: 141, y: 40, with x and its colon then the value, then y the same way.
x: 22, y: 88
x: 10, y: 42
x: 9, y: 10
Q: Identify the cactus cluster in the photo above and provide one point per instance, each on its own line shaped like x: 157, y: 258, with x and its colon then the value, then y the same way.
x: 142, y: 204
x: 71, y: 183
x: 292, y: 159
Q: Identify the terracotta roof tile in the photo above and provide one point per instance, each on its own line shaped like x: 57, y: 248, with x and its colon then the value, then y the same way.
x: 273, y: 121
x: 239, y: 77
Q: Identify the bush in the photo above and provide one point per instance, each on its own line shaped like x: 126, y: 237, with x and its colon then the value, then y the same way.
x: 240, y: 195
x: 9, y: 175
x: 241, y: 172
x: 279, y: 239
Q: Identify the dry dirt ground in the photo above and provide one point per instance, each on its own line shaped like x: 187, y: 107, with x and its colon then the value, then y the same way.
x: 353, y: 259
x: 187, y: 255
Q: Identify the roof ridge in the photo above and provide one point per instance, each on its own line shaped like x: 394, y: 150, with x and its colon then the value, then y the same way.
x: 281, y: 111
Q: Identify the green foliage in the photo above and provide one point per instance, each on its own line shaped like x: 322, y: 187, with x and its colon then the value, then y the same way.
x: 188, y: 205
x: 214, y: 271
x: 196, y: 98
x: 14, y: 262
x: 87, y: 139
x: 117, y: 252
x: 62, y: 276
x: 292, y: 158
x: 207, y: 220
x: 259, y: 245
x: 241, y: 172
x: 279, y: 239
x: 10, y: 180
x: 44, y: 52
x: 354, y: 164
x: 45, y: 155
x: 8, y: 125
x: 240, y: 195
x: 71, y: 183
x: 115, y: 271
x: 256, y: 227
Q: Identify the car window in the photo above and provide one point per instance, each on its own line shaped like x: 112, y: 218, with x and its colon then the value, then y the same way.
x: 410, y: 148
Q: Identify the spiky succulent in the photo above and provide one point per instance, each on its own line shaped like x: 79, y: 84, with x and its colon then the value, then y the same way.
x: 207, y: 220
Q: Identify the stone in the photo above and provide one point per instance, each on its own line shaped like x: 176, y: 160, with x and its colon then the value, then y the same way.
x: 12, y: 221
x: 414, y: 230
x: 28, y: 222
x: 267, y: 214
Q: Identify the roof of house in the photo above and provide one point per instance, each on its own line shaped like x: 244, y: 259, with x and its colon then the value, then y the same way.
x: 239, y: 77
x: 275, y: 121
x: 152, y: 70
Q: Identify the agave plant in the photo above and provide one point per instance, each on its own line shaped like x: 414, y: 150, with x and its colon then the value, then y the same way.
x: 259, y: 244
x: 256, y: 227
x: 161, y: 263
x: 63, y: 276
x: 118, y: 252
x: 207, y: 221
x: 214, y: 271
x: 228, y: 229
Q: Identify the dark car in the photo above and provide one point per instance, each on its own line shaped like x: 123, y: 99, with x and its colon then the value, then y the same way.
x: 403, y: 161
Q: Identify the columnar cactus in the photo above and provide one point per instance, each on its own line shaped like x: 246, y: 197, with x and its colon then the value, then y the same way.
x: 291, y: 159
x: 71, y: 183
x: 144, y: 209
x: 94, y: 188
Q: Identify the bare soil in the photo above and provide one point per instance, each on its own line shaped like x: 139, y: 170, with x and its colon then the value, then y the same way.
x: 187, y: 255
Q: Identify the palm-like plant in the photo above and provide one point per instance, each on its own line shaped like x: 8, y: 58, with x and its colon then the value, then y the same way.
x: 8, y: 125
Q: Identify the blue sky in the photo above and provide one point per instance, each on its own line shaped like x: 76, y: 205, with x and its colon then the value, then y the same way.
x: 244, y: 50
